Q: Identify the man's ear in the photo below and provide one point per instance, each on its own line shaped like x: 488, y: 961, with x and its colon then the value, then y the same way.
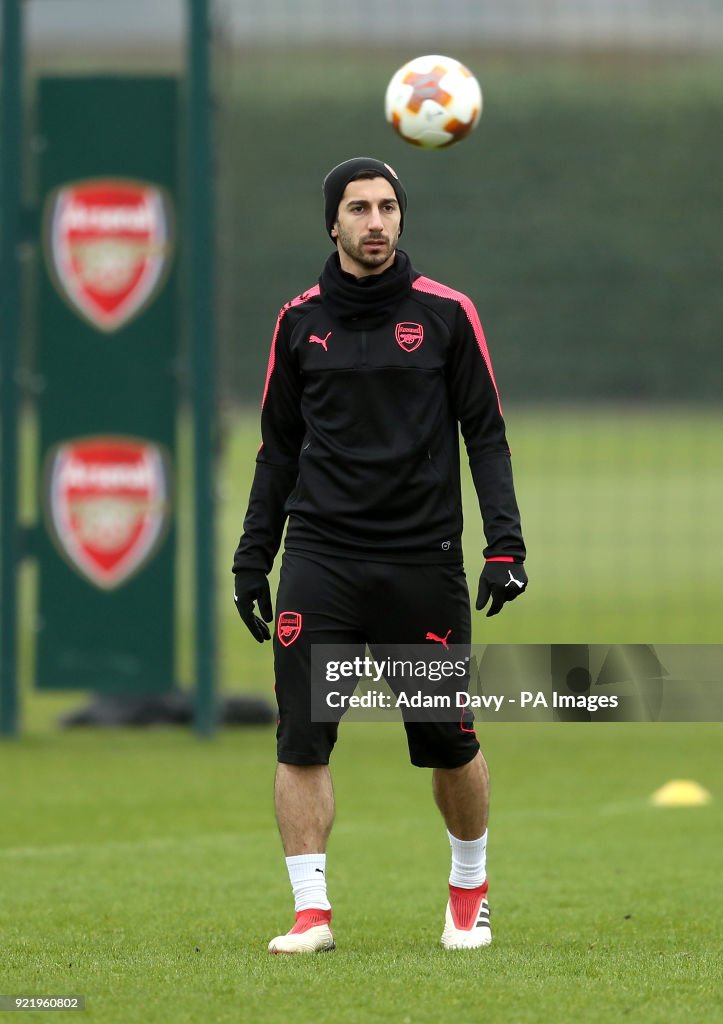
x: 334, y: 232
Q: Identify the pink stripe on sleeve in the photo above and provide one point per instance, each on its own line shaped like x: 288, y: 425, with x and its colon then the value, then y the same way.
x: 426, y: 284
x: 298, y: 301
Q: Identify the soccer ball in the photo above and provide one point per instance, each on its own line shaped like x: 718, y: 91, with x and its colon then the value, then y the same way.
x: 433, y: 101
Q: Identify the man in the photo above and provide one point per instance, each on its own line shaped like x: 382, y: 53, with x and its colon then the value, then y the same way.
x: 370, y: 373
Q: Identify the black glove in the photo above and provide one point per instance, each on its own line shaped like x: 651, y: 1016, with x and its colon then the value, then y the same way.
x: 504, y: 581
x: 251, y: 585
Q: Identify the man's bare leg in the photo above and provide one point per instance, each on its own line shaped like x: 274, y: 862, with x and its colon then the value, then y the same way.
x: 462, y: 795
x: 304, y: 799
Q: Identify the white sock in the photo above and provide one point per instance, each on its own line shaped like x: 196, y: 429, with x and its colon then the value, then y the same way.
x: 469, y: 861
x: 307, y: 874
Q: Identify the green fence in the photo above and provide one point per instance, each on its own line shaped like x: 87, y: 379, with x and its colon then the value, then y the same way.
x: 584, y: 216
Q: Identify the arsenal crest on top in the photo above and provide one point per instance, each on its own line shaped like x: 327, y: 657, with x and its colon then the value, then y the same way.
x: 409, y: 336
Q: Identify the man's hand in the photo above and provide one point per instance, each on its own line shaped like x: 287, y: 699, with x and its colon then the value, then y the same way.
x: 251, y: 585
x: 504, y: 581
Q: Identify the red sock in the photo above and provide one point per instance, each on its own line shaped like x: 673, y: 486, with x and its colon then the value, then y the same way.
x: 310, y: 918
x: 464, y: 904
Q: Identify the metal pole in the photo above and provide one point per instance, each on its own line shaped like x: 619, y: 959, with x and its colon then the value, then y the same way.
x: 10, y: 198
x: 200, y: 284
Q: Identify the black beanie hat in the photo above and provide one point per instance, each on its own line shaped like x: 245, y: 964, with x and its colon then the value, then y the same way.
x: 339, y: 177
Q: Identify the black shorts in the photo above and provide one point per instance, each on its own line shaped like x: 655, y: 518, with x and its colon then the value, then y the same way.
x: 324, y: 600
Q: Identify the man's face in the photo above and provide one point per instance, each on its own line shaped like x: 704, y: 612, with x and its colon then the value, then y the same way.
x: 366, y: 231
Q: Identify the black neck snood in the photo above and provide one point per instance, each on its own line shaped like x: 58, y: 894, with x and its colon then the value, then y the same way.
x: 365, y: 302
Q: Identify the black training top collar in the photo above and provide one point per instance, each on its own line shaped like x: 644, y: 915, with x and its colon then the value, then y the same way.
x: 365, y: 302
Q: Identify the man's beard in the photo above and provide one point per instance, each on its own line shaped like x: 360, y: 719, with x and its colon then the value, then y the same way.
x: 357, y: 252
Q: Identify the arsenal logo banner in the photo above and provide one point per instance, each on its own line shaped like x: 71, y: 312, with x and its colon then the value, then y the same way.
x: 107, y: 503
x: 108, y: 352
x: 108, y: 247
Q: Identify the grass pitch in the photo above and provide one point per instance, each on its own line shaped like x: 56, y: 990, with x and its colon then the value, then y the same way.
x: 143, y: 870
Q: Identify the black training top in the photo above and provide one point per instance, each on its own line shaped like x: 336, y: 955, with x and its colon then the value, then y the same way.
x: 367, y: 382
